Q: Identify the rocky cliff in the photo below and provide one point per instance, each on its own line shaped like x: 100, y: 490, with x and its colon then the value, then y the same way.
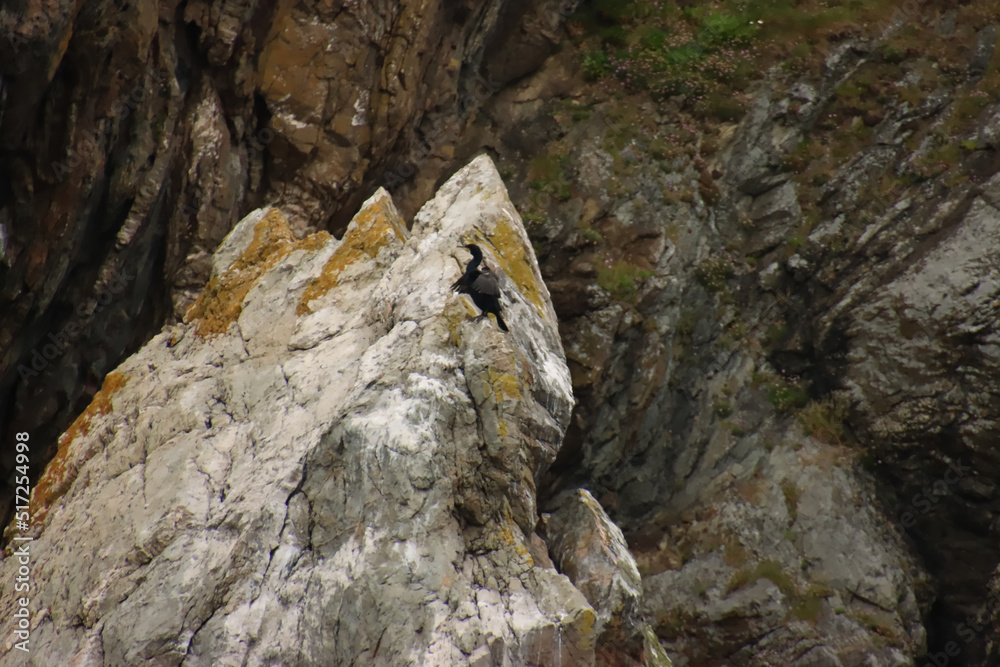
x: 133, y: 138
x: 781, y: 320
x: 330, y: 462
x: 769, y: 232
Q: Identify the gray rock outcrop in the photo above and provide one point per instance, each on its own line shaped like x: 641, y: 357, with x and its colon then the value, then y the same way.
x: 329, y: 463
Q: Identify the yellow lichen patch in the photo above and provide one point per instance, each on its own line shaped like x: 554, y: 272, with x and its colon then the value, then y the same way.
x: 373, y: 228
x: 511, y: 535
x: 579, y: 628
x: 505, y: 385
x: 313, y: 242
x: 221, y: 302
x: 61, y: 471
x: 501, y: 427
x: 454, y: 316
x: 514, y: 260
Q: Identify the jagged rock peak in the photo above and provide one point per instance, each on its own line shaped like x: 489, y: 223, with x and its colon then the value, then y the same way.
x: 328, y: 463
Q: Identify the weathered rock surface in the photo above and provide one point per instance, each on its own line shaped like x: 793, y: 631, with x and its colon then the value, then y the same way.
x: 133, y: 139
x: 591, y: 550
x: 781, y: 332
x: 783, y: 567
x: 775, y: 312
x: 330, y: 463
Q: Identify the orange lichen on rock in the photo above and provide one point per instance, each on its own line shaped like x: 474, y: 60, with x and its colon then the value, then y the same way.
x: 512, y: 537
x: 372, y: 229
x: 221, y: 302
x: 62, y: 469
x: 579, y: 628
x: 513, y: 258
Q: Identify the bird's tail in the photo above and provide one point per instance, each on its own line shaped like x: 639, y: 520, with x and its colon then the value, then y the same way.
x: 501, y: 323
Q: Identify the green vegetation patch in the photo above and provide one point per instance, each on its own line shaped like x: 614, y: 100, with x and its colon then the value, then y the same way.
x: 824, y: 421
x: 766, y: 569
x: 786, y: 396
x: 710, y: 53
x: 545, y: 174
x: 621, y: 278
x: 713, y: 272
x: 791, y: 493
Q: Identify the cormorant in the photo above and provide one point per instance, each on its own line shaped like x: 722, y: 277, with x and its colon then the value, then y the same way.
x: 481, y: 284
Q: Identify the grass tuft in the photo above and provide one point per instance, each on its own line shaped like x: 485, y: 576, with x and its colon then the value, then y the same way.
x: 621, y: 278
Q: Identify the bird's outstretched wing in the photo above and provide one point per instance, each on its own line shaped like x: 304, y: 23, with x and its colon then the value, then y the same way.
x: 460, y: 286
x: 487, y: 282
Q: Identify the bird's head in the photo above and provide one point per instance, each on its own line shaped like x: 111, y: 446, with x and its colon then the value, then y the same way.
x: 474, y: 249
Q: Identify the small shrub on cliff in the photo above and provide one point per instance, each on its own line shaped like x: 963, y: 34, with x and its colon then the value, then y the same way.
x: 596, y: 65
x: 722, y: 409
x: 719, y: 28
x: 784, y: 394
x: 712, y: 272
x: 621, y: 278
x: 589, y: 233
x: 824, y: 421
x: 687, y: 320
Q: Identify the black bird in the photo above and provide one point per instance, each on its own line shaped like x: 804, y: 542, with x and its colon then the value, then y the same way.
x: 481, y: 284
